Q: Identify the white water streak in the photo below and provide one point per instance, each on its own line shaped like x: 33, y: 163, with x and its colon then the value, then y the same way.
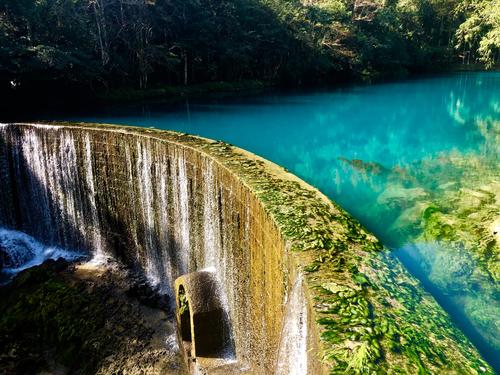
x: 163, y: 218
x: 183, y: 211
x: 98, y: 252
x: 211, y: 220
x: 33, y: 152
x: 143, y: 168
x: 292, y: 355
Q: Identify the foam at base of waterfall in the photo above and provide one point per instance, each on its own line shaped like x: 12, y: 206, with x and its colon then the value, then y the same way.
x: 100, y: 259
x: 171, y: 343
x: 20, y: 251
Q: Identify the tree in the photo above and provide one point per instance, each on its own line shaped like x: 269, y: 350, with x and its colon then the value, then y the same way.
x: 478, y: 37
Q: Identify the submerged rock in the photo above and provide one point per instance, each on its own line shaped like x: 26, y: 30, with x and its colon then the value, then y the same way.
x: 365, y: 167
x: 400, y: 196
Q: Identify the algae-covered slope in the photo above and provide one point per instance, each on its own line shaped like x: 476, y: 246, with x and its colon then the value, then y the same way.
x: 364, y: 313
x: 454, y: 226
x: 443, y: 214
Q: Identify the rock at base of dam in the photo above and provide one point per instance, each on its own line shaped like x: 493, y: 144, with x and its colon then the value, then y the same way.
x: 62, y: 319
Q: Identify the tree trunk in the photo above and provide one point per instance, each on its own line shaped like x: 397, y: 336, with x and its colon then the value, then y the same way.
x: 185, y: 68
x: 101, y: 30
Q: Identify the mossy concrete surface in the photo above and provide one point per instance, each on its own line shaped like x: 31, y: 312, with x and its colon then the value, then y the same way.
x: 61, y: 318
x: 367, y: 314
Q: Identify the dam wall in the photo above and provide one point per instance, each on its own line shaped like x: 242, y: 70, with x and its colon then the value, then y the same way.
x: 306, y: 288
x: 161, y: 206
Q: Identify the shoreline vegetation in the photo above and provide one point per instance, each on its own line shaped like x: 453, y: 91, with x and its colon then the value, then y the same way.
x: 90, y: 51
x: 174, y: 94
x: 222, y: 88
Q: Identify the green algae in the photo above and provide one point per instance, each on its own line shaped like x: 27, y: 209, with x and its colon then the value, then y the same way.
x: 449, y: 222
x: 70, y: 319
x: 455, y: 234
x: 372, y: 316
x: 41, y: 311
x: 388, y: 324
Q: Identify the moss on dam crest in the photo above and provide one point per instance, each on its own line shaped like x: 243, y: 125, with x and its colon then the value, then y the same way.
x: 366, y: 313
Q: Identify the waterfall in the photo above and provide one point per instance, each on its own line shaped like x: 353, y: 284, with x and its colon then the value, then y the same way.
x: 19, y: 251
x: 161, y: 207
x: 32, y: 150
x: 143, y: 170
x: 211, y: 220
x: 292, y: 355
x: 164, y: 241
x: 74, y: 189
x: 181, y: 210
x: 99, y: 256
x: 212, y: 259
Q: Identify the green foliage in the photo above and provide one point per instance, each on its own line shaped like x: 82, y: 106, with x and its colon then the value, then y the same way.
x: 140, y: 44
x: 358, y: 362
x: 183, y: 301
x: 479, y: 35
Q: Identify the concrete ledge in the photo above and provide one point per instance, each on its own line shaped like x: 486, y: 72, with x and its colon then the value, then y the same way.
x: 365, y: 313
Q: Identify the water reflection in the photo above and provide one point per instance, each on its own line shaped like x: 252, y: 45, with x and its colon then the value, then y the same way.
x: 417, y: 162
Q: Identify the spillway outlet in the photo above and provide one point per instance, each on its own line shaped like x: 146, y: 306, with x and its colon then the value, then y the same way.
x: 202, y: 322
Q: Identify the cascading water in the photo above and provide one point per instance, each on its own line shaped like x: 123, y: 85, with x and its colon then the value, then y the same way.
x: 292, y: 355
x: 211, y: 224
x: 164, y: 238
x: 99, y: 256
x: 212, y: 259
x: 183, y: 211
x: 19, y: 251
x: 143, y: 170
x: 128, y: 197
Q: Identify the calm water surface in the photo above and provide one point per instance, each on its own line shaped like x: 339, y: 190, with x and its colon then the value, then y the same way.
x: 393, y: 155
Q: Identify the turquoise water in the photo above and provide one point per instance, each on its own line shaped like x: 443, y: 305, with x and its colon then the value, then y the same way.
x: 417, y: 162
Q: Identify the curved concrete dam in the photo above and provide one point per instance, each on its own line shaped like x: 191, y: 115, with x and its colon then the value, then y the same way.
x: 305, y: 288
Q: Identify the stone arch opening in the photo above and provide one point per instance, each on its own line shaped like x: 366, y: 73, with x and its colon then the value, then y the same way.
x: 202, y: 321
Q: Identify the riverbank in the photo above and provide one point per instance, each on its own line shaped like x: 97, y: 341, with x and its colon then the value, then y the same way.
x: 56, y: 98
x: 60, y: 318
x: 225, y: 88
x: 172, y: 93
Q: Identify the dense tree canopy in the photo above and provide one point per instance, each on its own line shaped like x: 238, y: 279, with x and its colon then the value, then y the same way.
x: 144, y: 43
x: 479, y: 35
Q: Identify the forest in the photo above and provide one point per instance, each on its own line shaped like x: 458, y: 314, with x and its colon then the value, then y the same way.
x: 91, y: 46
